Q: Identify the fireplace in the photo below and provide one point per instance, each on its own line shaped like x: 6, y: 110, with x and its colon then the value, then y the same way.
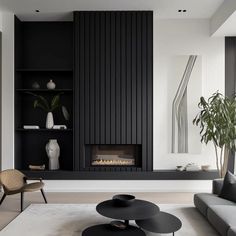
x: 115, y: 156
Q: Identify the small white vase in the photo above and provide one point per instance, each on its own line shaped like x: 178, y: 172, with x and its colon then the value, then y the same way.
x: 49, y: 121
x: 51, y: 84
x: 53, y: 152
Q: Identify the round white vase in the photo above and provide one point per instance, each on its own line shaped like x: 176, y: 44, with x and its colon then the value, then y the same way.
x: 53, y: 152
x: 51, y: 84
x: 49, y: 121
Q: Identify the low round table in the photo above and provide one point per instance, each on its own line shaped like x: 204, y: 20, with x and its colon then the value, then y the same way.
x: 161, y: 223
x: 107, y: 230
x: 138, y: 210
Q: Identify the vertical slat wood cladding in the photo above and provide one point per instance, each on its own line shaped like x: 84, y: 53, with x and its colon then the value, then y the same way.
x: 128, y: 78
x: 77, y: 88
x: 123, y: 79
x: 230, y: 79
x: 92, y: 78
x: 86, y: 77
x: 150, y: 90
x: 102, y: 73
x: 133, y: 78
x: 97, y: 78
x: 144, y: 89
x: 113, y: 81
x: 108, y: 75
x: 139, y: 78
x: 113, y: 78
x: 118, y: 78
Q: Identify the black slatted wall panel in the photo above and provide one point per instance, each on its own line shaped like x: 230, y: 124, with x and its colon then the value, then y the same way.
x: 230, y: 79
x: 114, y: 81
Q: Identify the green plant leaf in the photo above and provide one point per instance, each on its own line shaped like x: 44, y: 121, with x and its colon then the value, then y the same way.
x: 55, y: 102
x: 65, y: 113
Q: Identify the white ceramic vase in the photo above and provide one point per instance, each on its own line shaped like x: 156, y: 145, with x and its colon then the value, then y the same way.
x: 51, y: 84
x: 49, y: 121
x: 53, y: 152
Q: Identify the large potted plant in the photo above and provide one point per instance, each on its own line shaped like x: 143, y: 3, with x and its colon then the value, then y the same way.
x: 217, y: 120
x: 42, y: 103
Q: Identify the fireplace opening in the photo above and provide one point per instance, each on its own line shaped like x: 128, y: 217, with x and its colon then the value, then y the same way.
x: 114, y: 155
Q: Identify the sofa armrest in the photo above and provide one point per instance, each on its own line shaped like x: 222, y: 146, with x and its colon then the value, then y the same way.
x: 217, y: 185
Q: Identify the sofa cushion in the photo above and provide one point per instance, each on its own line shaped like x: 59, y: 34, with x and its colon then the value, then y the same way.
x: 222, y: 218
x: 229, y: 187
x: 203, y: 200
x: 232, y: 231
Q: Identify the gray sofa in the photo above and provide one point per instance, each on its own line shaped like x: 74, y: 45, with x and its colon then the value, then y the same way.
x: 220, y: 212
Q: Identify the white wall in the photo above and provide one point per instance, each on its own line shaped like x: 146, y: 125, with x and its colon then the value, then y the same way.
x: 182, y: 37
x: 7, y: 135
x: 171, y: 37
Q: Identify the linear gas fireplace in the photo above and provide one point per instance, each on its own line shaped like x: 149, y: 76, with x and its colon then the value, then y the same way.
x: 115, y: 156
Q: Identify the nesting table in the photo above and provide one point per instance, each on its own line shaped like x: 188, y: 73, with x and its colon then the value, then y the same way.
x: 147, y: 216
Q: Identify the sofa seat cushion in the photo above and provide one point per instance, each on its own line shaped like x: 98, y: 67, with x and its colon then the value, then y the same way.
x: 232, y: 231
x: 203, y: 200
x: 222, y: 217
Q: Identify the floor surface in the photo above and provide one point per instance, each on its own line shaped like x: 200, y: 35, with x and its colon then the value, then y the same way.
x: 10, y: 208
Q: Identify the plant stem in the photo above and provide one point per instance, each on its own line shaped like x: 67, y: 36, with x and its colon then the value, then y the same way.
x: 221, y: 161
x: 217, y: 159
x: 226, y: 159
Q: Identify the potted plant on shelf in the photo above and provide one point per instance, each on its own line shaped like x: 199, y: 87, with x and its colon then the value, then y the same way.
x: 217, y: 120
x: 42, y: 103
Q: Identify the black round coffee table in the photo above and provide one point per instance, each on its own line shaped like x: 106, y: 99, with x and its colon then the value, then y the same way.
x: 138, y: 210
x: 161, y: 223
x: 107, y: 230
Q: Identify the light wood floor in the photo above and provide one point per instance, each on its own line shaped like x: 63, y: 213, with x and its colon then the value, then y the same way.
x: 10, y: 208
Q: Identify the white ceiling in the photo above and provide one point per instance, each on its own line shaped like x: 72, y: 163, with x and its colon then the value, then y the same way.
x: 61, y: 9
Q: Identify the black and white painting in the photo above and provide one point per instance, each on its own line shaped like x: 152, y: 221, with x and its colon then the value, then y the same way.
x: 185, y: 79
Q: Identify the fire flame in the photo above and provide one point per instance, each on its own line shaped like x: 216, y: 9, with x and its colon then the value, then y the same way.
x: 112, y: 162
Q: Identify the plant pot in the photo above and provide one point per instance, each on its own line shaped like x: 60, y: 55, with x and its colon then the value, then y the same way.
x: 49, y: 121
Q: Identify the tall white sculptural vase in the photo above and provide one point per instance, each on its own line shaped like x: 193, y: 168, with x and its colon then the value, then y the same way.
x: 53, y: 152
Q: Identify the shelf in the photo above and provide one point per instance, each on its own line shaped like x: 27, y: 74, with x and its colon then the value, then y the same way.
x: 125, y: 175
x: 44, y: 70
x: 44, y: 90
x: 43, y: 130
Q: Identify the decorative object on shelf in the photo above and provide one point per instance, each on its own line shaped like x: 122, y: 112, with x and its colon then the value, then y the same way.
x: 205, y: 167
x: 35, y: 85
x: 42, y: 102
x: 116, y: 224
x: 31, y: 127
x: 217, y: 123
x: 51, y: 84
x: 123, y: 200
x: 59, y: 127
x: 53, y: 152
x: 192, y: 167
x: 49, y: 121
x: 180, y: 168
x: 65, y: 113
x: 35, y: 167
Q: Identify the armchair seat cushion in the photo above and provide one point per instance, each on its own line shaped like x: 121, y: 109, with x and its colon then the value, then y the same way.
x: 32, y: 187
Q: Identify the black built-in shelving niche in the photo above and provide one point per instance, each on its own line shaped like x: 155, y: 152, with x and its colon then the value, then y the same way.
x: 43, y: 51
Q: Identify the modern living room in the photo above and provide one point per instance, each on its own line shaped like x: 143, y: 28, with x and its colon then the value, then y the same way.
x: 118, y: 117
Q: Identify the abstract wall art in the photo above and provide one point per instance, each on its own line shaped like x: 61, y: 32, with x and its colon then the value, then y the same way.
x: 186, y: 82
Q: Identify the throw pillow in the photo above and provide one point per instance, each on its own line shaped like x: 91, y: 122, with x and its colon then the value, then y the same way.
x: 229, y: 187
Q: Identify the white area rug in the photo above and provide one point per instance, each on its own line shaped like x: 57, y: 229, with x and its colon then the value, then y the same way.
x: 72, y: 219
